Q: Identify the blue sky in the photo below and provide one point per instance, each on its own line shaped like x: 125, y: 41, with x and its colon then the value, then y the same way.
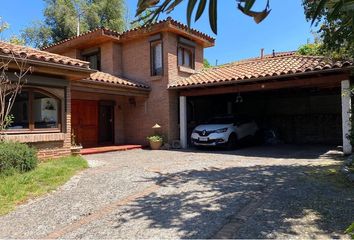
x: 238, y: 35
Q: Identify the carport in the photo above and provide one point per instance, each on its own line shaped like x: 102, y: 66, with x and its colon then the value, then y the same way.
x: 306, y: 99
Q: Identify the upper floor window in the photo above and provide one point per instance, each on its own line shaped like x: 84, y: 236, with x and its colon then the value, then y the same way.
x: 156, y: 58
x: 35, y: 110
x: 185, y: 56
x: 186, y: 52
x: 94, y: 58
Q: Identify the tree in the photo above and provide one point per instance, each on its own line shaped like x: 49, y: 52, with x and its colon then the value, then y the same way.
x: 14, y: 39
x: 107, y: 13
x: 206, y: 63
x: 38, y: 35
x: 66, y: 18
x: 11, y: 86
x: 335, y: 19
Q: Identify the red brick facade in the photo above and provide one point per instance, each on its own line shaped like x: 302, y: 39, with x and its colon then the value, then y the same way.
x: 137, y: 114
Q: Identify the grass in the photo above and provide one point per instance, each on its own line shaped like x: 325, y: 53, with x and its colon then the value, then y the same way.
x: 330, y: 175
x: 19, y: 187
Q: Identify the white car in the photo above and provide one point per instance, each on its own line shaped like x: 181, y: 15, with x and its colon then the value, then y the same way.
x: 223, y: 131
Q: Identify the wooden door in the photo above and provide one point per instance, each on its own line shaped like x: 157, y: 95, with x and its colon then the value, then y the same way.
x: 84, y: 122
x: 106, y: 122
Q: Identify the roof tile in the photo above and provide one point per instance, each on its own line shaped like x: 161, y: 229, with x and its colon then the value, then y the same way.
x: 268, y: 66
x: 108, y: 78
x: 43, y: 56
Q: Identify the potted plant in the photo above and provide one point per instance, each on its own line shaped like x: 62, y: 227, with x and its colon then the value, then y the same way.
x: 155, y: 142
x: 75, y: 148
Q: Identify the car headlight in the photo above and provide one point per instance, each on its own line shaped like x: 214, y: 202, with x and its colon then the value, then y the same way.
x: 222, y: 130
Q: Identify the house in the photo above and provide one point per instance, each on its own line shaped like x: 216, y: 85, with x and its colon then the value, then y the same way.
x: 155, y: 74
x: 128, y: 94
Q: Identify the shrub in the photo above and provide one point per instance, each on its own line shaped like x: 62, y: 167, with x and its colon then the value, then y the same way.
x: 17, y: 156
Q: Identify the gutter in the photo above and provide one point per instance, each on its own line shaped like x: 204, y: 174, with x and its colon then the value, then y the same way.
x: 250, y: 80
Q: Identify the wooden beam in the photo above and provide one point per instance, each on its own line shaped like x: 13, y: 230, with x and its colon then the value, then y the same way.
x: 324, y: 81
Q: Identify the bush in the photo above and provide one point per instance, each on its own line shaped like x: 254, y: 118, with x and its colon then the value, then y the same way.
x: 17, y: 156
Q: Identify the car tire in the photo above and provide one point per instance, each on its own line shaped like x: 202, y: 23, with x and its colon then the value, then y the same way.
x: 231, y: 142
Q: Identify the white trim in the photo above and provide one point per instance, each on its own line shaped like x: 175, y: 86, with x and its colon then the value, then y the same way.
x: 346, y: 114
x: 183, y: 121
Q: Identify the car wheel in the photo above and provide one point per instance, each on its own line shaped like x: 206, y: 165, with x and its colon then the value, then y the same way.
x: 231, y: 143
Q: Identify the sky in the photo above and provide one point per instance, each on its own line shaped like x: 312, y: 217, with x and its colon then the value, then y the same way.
x: 238, y: 37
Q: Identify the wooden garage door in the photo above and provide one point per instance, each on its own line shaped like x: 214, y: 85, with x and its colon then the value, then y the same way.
x: 84, y: 122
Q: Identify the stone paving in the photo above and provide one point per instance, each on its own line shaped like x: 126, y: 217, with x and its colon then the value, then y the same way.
x: 258, y: 192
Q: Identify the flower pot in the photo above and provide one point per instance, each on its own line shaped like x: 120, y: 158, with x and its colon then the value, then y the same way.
x: 75, y: 150
x: 155, y: 145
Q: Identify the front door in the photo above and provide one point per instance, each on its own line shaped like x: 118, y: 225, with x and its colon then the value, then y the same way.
x: 106, y: 122
x: 84, y: 122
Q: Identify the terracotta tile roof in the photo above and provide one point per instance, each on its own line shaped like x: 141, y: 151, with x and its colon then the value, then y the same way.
x: 9, y: 49
x: 120, y: 35
x: 268, y: 67
x: 108, y: 78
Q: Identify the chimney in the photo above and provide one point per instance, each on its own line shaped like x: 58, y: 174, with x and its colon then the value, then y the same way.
x: 273, y: 53
x: 262, y: 53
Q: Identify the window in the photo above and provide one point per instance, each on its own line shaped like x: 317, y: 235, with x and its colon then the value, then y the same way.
x: 94, y: 59
x: 35, y: 110
x: 185, y: 56
x: 156, y: 58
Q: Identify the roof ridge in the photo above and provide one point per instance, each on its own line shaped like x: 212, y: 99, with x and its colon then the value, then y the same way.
x: 264, y: 69
x: 268, y: 57
x: 120, y: 34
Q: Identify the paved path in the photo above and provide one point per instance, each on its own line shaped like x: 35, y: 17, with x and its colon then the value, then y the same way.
x: 261, y: 192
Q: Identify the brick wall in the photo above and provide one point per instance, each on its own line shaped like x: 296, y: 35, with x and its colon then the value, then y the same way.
x: 162, y: 105
x: 131, y: 60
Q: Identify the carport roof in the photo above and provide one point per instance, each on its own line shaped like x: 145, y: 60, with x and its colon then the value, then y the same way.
x: 280, y: 64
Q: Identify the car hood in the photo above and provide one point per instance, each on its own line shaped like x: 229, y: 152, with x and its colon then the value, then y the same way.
x: 211, y: 127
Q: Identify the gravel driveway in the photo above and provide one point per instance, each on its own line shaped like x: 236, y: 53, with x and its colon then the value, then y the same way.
x: 258, y: 192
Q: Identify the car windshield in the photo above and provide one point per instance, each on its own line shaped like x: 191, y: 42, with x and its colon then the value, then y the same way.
x: 222, y: 120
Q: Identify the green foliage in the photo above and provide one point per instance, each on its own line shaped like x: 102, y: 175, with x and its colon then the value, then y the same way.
x: 350, y: 230
x: 17, y: 156
x: 206, y: 63
x: 7, y: 122
x: 17, y: 40
x: 311, y: 49
x: 37, y: 35
x: 167, y: 6
x: 61, y: 19
x: 13, y: 39
x: 106, y: 13
x: 334, y: 19
x: 155, y: 138
x: 3, y: 25
x: 19, y: 187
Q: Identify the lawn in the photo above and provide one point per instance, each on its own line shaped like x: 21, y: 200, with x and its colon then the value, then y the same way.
x: 19, y: 187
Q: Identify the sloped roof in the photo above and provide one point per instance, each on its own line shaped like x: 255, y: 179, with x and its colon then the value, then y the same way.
x: 269, y: 66
x: 169, y: 22
x: 10, y: 50
x: 108, y: 78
